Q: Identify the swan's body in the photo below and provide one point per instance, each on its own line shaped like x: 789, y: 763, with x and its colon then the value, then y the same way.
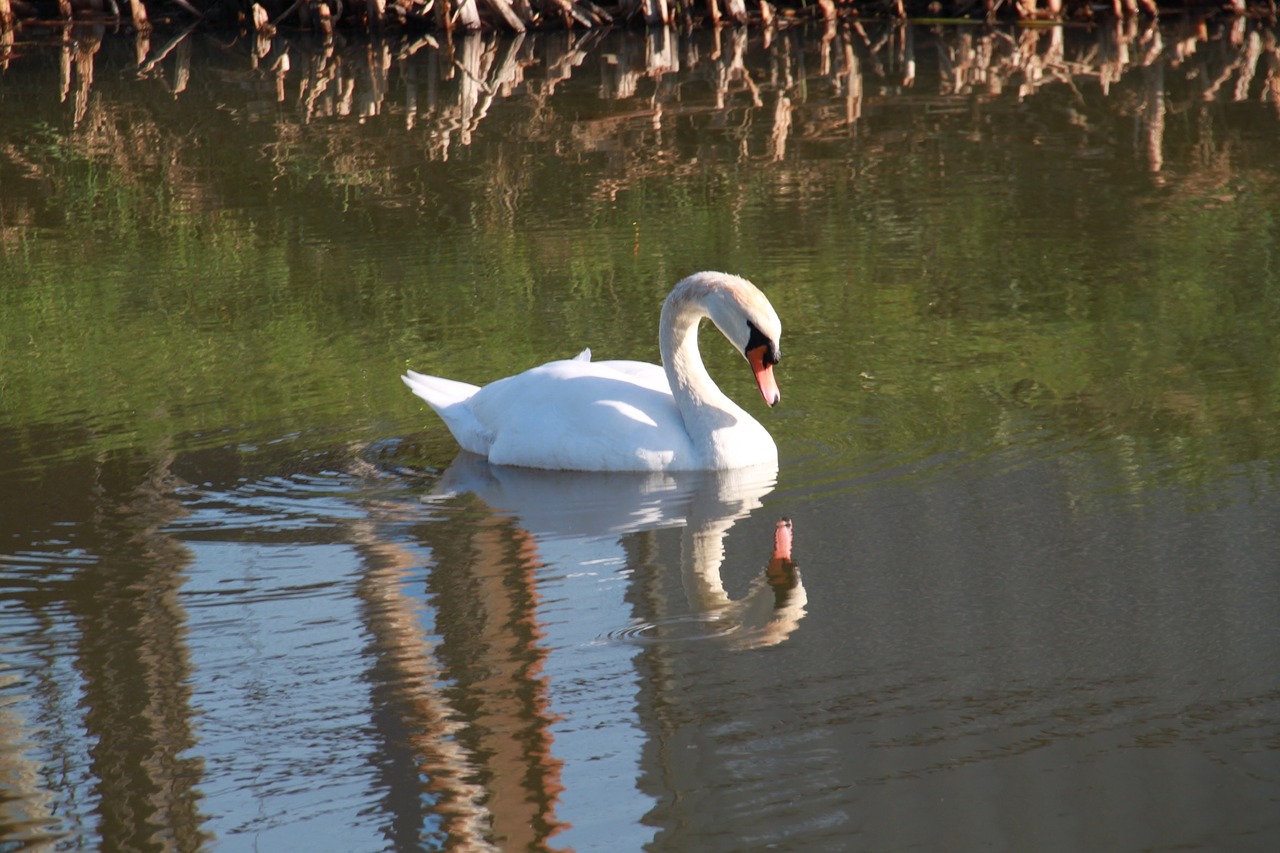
x: 627, y: 415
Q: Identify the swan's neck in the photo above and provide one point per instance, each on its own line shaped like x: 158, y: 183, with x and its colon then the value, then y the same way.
x: 704, y: 408
x: 702, y: 553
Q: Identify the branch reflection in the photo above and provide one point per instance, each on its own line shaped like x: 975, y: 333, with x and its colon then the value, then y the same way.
x: 767, y: 89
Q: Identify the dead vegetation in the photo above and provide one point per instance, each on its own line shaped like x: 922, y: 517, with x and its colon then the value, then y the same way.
x: 266, y: 17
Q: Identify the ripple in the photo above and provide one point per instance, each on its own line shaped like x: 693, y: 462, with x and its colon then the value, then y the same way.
x: 689, y: 627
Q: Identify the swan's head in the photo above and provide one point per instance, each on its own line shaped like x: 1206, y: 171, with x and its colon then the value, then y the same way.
x: 743, y: 314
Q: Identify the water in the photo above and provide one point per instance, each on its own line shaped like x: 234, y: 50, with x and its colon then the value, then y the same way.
x: 251, y: 597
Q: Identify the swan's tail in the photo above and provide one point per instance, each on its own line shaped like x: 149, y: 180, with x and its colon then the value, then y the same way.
x: 441, y: 393
x: 449, y: 399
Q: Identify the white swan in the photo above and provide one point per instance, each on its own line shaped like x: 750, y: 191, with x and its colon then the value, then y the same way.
x: 582, y: 415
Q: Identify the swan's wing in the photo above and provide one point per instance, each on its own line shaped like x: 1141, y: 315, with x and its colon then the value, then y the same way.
x: 649, y: 375
x: 580, y: 415
x: 451, y: 401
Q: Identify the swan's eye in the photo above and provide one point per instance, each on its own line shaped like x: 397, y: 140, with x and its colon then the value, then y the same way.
x: 757, y: 339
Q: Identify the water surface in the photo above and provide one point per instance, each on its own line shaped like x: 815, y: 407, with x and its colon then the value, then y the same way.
x: 252, y: 597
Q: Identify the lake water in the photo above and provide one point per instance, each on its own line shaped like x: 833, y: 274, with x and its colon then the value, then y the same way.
x: 251, y: 597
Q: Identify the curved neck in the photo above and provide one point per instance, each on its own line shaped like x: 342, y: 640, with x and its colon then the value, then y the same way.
x: 703, y: 406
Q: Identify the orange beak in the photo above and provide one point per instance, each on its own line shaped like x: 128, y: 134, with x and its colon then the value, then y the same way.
x: 764, y: 375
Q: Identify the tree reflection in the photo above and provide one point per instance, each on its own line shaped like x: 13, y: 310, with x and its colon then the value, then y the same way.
x: 136, y: 673
x: 26, y: 805
x: 466, y: 711
x: 445, y: 90
x: 119, y: 603
x: 472, y: 758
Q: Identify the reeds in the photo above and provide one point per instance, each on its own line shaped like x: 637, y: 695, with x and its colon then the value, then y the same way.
x: 266, y: 17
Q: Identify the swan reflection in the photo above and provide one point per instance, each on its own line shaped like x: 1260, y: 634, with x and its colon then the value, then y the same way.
x: 587, y: 516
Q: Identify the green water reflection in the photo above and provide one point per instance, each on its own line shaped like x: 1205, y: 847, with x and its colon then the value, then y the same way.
x: 222, y: 266
x: 214, y: 264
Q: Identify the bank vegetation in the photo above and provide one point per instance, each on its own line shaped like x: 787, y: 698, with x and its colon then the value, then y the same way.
x: 328, y: 16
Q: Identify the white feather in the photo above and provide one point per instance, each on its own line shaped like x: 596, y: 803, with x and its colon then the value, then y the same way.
x: 577, y: 414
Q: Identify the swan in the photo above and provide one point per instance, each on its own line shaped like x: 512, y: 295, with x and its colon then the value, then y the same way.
x: 583, y: 415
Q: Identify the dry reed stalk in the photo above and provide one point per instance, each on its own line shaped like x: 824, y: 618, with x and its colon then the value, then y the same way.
x: 159, y: 56
x: 522, y: 15
x: 261, y: 20
x: 853, y: 85
x: 139, y: 14
x: 502, y: 8
x: 780, y: 130
x: 467, y: 15
x: 281, y: 69
x: 64, y: 66
x: 656, y: 11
